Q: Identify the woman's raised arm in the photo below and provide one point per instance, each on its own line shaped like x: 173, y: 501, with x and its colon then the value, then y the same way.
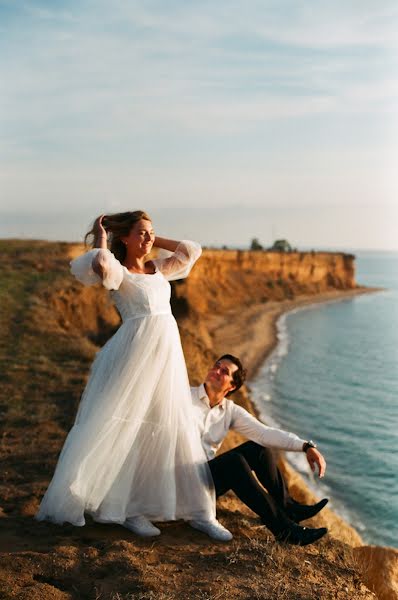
x: 100, y: 241
x: 183, y: 257
x: 98, y: 265
x: 166, y: 244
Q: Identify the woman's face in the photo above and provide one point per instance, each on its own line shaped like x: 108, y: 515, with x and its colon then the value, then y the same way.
x: 140, y: 240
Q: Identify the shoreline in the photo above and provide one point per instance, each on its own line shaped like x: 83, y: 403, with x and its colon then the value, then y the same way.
x: 260, y: 338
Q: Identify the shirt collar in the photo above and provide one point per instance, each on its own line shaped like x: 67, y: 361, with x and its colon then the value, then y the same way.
x: 203, y: 397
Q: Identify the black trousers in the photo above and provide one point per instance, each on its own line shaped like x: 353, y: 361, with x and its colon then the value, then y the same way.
x: 234, y: 469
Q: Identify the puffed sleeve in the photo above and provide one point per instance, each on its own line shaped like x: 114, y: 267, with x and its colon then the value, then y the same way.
x: 179, y: 264
x: 82, y: 268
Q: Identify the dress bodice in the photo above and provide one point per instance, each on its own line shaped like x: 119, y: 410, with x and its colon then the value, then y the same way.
x: 138, y: 294
x: 142, y: 295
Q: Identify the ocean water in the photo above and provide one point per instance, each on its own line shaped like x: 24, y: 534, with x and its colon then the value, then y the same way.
x: 334, y: 378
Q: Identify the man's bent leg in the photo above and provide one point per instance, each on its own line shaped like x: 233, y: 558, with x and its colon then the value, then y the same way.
x: 231, y: 471
x: 263, y: 462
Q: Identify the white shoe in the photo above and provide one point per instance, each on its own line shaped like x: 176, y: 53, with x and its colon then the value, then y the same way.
x: 213, y: 529
x: 141, y: 526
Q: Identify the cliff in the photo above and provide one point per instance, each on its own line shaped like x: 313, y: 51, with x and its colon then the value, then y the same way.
x: 224, y: 279
x: 232, y: 298
x: 50, y: 329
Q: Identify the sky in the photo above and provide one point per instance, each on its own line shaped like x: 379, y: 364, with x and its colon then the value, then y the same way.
x: 225, y: 120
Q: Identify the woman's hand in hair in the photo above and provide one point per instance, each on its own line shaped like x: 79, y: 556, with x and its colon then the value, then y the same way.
x: 100, y: 237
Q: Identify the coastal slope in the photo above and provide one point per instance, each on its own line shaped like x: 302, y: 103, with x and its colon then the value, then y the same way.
x: 51, y: 327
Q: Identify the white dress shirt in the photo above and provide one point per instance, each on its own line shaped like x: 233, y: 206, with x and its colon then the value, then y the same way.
x: 214, y: 424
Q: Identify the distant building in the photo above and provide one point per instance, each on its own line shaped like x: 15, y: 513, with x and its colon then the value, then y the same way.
x: 281, y: 246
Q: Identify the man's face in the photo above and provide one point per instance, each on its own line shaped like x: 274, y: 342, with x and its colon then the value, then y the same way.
x: 220, y: 376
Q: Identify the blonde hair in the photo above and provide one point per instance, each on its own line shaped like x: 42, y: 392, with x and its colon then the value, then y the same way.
x: 117, y: 226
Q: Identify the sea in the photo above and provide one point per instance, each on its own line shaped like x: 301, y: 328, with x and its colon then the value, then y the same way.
x: 333, y: 378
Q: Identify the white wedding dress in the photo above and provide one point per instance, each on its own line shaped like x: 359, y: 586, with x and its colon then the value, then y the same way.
x: 134, y: 448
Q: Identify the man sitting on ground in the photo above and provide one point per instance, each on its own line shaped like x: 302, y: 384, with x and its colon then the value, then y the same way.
x: 266, y: 494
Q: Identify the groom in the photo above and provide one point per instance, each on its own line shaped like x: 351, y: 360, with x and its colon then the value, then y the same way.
x: 266, y: 494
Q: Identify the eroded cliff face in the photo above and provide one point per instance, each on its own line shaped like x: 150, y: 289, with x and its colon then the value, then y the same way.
x: 224, y: 279
x: 379, y: 569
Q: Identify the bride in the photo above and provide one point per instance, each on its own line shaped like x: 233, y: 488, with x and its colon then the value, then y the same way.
x: 133, y: 454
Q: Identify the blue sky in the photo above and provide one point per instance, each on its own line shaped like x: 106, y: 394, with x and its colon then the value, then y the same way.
x: 225, y: 120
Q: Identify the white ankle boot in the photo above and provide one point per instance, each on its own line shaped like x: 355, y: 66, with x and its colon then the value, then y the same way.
x: 141, y: 526
x: 213, y: 529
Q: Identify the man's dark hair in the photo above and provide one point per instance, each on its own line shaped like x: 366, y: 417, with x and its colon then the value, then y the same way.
x: 238, y: 376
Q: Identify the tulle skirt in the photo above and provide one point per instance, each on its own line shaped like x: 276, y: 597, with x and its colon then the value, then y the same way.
x: 134, y: 448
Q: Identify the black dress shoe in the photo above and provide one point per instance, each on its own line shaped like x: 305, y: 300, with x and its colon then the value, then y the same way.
x: 300, y: 536
x: 300, y: 512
